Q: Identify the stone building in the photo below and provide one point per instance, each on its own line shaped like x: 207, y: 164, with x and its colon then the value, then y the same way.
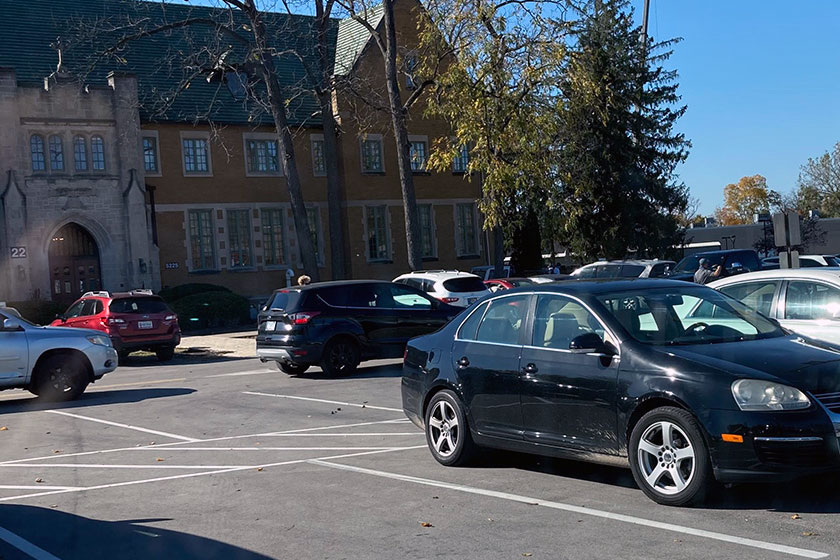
x: 196, y: 194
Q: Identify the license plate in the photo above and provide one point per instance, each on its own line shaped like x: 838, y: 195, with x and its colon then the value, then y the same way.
x: 472, y: 300
x: 145, y: 324
x: 270, y: 325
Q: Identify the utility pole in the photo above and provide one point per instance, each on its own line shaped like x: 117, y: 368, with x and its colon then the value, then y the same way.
x: 643, y: 36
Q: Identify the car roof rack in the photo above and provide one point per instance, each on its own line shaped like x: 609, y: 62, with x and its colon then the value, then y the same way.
x: 142, y: 291
x: 100, y: 293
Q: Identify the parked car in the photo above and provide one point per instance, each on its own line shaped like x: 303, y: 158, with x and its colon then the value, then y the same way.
x: 488, y: 272
x: 546, y: 278
x: 679, y: 382
x: 625, y: 269
x: 460, y: 289
x: 337, y: 325
x: 805, y: 261
x: 806, y: 301
x: 56, y: 364
x: 498, y: 284
x: 733, y: 261
x: 136, y: 320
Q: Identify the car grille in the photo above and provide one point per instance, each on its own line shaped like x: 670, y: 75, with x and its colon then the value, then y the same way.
x: 830, y: 400
x: 794, y: 453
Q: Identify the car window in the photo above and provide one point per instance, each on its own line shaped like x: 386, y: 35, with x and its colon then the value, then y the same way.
x: 503, y: 320
x: 335, y: 296
x: 75, y: 310
x: 406, y: 298
x: 659, y: 270
x: 469, y: 327
x: 558, y: 320
x: 631, y: 270
x: 748, y: 260
x: 808, y: 263
x: 758, y: 295
x: 464, y: 284
x: 607, y: 270
x: 372, y: 295
x: 811, y: 301
x: 145, y: 305
x: 89, y: 308
x: 587, y: 272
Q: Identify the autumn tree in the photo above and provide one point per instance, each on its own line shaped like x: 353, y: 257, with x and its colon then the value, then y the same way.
x: 744, y: 199
x: 818, y: 187
x: 617, y: 146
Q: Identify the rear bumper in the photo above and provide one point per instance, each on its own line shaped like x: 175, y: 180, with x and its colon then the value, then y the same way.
x: 303, y: 354
x: 145, y: 342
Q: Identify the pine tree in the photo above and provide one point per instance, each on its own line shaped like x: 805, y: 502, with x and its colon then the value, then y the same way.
x: 618, y: 149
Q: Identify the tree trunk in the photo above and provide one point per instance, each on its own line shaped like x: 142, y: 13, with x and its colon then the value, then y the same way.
x: 335, y: 188
x: 499, y: 251
x: 287, y: 150
x: 412, y: 226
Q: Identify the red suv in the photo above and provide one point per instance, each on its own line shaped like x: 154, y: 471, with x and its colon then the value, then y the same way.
x: 136, y: 320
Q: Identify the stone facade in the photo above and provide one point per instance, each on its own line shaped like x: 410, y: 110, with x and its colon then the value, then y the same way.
x: 100, y: 190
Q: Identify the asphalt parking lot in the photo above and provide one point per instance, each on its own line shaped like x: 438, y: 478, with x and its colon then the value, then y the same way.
x: 233, y: 459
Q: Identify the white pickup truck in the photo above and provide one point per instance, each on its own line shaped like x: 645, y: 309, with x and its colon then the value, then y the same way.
x: 55, y: 363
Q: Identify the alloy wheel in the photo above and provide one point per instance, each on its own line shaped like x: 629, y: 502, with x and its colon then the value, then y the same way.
x: 62, y: 380
x: 443, y: 428
x: 666, y: 458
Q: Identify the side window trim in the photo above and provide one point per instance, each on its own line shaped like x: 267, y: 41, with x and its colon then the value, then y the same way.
x: 486, y: 306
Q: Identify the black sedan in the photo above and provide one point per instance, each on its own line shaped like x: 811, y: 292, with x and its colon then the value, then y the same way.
x: 681, y: 382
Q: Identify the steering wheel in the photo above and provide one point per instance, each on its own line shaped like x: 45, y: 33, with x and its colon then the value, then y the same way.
x: 696, y: 327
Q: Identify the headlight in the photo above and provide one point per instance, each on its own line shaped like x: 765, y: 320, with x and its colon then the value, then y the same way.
x: 755, y: 394
x: 99, y: 340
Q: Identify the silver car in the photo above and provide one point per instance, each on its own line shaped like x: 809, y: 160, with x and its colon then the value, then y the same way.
x: 55, y: 363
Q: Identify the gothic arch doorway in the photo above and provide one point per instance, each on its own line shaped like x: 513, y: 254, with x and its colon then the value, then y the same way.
x: 74, y: 263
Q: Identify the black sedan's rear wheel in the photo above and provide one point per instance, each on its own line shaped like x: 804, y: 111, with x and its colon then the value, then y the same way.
x: 447, y: 432
x: 669, y: 457
x: 341, y: 356
x: 291, y: 369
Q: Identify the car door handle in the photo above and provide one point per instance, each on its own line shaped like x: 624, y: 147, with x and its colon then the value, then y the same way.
x: 530, y: 369
x: 463, y: 362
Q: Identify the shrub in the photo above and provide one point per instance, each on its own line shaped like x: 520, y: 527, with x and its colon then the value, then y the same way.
x: 177, y: 292
x: 38, y: 311
x: 211, y: 310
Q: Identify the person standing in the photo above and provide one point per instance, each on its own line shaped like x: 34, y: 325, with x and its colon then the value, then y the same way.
x: 705, y: 273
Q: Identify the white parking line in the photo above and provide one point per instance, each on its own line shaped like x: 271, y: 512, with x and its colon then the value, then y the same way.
x: 261, y: 448
x: 38, y: 487
x: 119, y: 425
x: 205, y: 473
x: 25, y: 546
x: 239, y: 373
x: 105, y: 466
x: 580, y: 510
x: 361, y: 434
x: 357, y: 405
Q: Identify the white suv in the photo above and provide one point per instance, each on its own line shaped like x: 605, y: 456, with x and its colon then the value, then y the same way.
x: 460, y: 289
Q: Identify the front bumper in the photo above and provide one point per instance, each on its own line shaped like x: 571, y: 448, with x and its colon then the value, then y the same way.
x: 145, y: 342
x: 103, y: 359
x: 776, y: 445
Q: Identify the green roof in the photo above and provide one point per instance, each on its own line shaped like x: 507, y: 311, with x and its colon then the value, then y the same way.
x: 352, y: 39
x: 29, y: 27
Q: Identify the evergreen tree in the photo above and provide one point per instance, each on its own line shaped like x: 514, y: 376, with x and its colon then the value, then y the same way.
x: 618, y: 149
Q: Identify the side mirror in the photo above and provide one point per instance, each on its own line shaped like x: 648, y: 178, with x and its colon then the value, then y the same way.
x: 61, y: 317
x: 586, y: 343
x: 11, y: 324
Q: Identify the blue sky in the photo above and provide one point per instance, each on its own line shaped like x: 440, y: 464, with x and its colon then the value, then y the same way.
x: 761, y: 79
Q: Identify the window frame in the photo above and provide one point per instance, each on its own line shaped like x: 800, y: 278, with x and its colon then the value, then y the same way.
x: 249, y: 137
x: 525, y: 327
x: 782, y: 297
x: 413, y: 139
x: 372, y: 138
x: 386, y: 225
x: 94, y: 140
x: 609, y: 336
x: 196, y: 135
x: 83, y: 153
x: 153, y: 134
x: 42, y: 153
x: 779, y: 290
x: 59, y: 153
x: 212, y: 235
x: 463, y: 155
x: 313, y: 140
x: 248, y: 246
x: 284, y: 250
x: 462, y: 252
x: 432, y: 231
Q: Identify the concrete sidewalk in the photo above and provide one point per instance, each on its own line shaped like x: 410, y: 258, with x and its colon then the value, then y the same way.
x: 242, y: 344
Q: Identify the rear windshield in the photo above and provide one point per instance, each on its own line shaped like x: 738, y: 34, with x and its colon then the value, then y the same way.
x: 283, y: 300
x: 145, y: 305
x: 465, y: 284
x: 631, y: 270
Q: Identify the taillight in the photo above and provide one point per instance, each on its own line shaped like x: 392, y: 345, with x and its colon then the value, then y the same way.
x: 115, y: 321
x: 304, y: 317
x: 171, y: 318
x: 448, y: 299
x: 405, y: 353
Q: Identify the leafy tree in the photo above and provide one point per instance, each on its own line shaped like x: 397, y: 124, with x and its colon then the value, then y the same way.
x: 818, y: 187
x: 617, y: 146
x: 742, y: 200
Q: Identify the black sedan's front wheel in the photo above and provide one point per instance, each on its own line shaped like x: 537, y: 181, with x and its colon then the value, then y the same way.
x: 669, y: 458
x: 447, y: 432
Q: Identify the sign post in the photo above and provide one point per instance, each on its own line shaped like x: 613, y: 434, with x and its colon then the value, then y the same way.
x: 787, y: 233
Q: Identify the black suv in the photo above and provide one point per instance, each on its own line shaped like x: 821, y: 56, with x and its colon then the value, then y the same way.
x: 733, y: 261
x: 338, y: 324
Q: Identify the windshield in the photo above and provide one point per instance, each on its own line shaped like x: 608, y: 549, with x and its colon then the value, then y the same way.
x: 692, y: 262
x: 685, y: 316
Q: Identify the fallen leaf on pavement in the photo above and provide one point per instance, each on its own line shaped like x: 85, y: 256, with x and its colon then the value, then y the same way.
x: 426, y: 524
x: 796, y: 516
x: 809, y: 534
x: 54, y: 506
x: 160, y: 459
x: 56, y: 450
x: 39, y: 480
x: 527, y: 554
x: 3, y: 429
x: 259, y: 469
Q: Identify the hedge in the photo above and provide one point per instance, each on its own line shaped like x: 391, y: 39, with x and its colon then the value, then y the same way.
x: 40, y: 312
x: 184, y: 290
x: 211, y: 310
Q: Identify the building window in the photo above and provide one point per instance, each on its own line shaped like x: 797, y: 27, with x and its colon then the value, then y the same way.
x: 262, y: 157
x: 410, y: 68
x: 462, y: 160
x: 465, y: 230
x: 150, y: 154
x: 274, y: 253
x: 195, y: 155
x: 313, y: 215
x: 319, y: 164
x: 56, y: 153
x: 79, y: 154
x: 417, y: 155
x: 239, y: 238
x: 427, y: 230
x: 201, y: 240
x: 372, y: 155
x: 36, y: 149
x: 97, y: 153
x: 379, y: 245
